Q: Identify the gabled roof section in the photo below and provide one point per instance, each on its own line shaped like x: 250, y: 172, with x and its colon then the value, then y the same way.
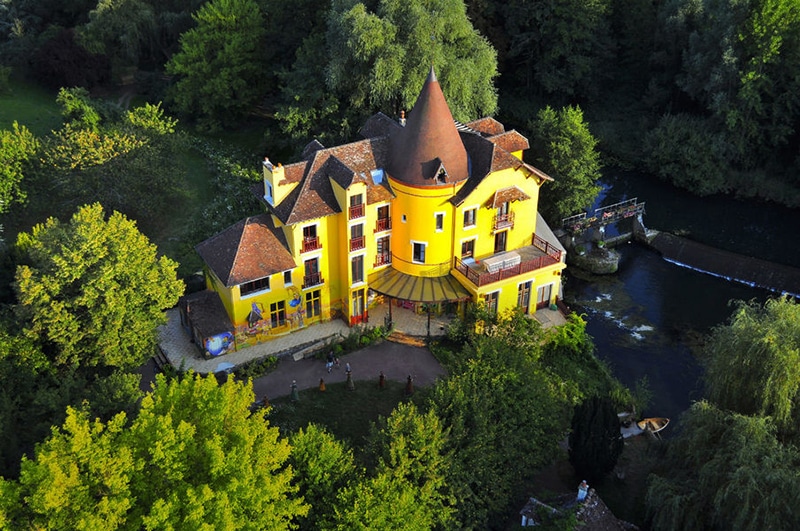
x: 511, y: 141
x: 311, y: 148
x: 346, y: 164
x: 378, y: 125
x: 429, y: 133
x: 250, y: 249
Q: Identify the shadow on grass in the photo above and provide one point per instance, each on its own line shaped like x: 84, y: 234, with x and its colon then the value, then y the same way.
x: 346, y: 414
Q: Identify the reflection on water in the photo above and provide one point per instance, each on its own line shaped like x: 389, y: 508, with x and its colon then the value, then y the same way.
x: 644, y: 318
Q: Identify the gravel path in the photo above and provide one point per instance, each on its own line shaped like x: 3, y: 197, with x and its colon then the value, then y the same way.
x: 397, y: 361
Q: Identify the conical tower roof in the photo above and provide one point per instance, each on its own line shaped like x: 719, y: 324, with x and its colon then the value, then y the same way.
x: 428, y: 151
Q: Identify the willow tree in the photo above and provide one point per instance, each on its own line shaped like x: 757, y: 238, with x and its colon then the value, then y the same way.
x: 753, y: 361
x: 375, y: 57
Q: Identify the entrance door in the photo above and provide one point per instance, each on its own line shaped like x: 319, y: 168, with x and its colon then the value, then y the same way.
x: 524, y: 297
x: 359, y: 314
x: 543, y: 296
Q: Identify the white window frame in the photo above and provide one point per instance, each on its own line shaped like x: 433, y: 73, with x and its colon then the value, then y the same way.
x: 439, y: 216
x: 257, y: 292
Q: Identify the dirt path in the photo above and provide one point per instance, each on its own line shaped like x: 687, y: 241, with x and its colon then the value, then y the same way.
x: 397, y: 361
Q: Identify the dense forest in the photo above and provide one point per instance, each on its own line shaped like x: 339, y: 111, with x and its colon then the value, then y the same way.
x: 702, y: 93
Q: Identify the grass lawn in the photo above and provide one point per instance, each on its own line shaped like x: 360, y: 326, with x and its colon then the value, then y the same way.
x: 348, y: 415
x: 31, y: 106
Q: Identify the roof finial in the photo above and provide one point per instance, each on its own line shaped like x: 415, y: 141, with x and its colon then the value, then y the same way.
x: 432, y: 75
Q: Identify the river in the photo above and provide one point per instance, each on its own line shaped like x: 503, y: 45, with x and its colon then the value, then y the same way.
x: 646, y: 318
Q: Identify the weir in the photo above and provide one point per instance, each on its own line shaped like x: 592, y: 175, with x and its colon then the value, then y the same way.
x: 683, y: 252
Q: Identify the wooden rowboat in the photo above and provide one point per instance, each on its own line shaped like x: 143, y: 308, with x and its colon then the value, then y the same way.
x: 653, y: 425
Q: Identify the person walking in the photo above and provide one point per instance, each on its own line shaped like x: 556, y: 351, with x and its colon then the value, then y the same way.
x: 329, y: 364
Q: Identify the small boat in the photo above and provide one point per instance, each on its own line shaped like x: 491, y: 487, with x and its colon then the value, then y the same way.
x: 653, y: 424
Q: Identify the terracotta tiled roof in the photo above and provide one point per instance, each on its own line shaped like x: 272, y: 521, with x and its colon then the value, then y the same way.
x: 502, y: 160
x: 488, y: 126
x: 251, y: 249
x: 511, y: 141
x: 428, y: 141
x: 507, y: 195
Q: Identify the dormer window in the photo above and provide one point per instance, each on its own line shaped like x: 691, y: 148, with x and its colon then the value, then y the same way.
x: 441, y: 175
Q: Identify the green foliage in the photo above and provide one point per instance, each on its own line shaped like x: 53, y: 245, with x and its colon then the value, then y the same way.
x: 5, y: 75
x: 78, y: 109
x: 753, y: 362
x: 93, y: 289
x: 564, y: 148
x: 562, y: 46
x: 256, y: 368
x: 193, y: 458
x: 377, y: 57
x: 220, y: 66
x: 498, y: 398
x: 725, y: 471
x: 595, y: 442
x: 322, y: 467
x: 17, y: 149
x: 120, y: 29
x: 151, y: 118
x: 690, y: 153
x: 408, y: 489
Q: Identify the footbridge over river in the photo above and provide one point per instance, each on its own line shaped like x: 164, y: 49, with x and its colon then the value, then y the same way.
x: 684, y: 252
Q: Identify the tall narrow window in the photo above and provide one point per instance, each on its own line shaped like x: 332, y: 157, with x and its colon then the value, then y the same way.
x: 383, y: 222
x: 357, y: 240
x: 313, y: 303
x: 277, y: 313
x: 384, y: 254
x: 524, y: 296
x: 492, y: 300
x: 310, y: 239
x: 419, y: 253
x: 356, y: 206
x: 439, y: 222
x: 469, y: 217
x: 357, y: 266
x: 500, y: 241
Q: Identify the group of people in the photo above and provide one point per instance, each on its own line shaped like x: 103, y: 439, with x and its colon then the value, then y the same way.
x: 333, y: 361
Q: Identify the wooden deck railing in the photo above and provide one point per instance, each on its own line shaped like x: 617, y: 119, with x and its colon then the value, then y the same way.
x: 479, y: 277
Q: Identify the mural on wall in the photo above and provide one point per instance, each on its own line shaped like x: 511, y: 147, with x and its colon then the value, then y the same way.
x: 296, y: 304
x: 219, y: 344
x: 255, y: 330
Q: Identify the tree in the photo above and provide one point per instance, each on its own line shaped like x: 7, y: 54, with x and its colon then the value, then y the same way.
x: 93, y: 290
x: 506, y: 416
x: 562, y: 46
x: 725, y: 471
x: 378, y: 55
x: 322, y: 467
x: 564, y: 148
x: 408, y: 489
x: 595, y: 442
x: 193, y: 458
x: 220, y: 67
x: 119, y: 29
x: 753, y: 362
x: 17, y: 148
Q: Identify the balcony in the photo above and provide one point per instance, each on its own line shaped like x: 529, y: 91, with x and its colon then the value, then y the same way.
x: 383, y: 224
x: 357, y: 243
x: 501, y: 266
x: 383, y: 259
x: 314, y: 279
x: 356, y: 211
x: 504, y: 221
x: 311, y: 243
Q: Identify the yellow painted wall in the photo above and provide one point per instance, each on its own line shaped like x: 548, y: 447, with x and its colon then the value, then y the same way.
x: 414, y: 219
